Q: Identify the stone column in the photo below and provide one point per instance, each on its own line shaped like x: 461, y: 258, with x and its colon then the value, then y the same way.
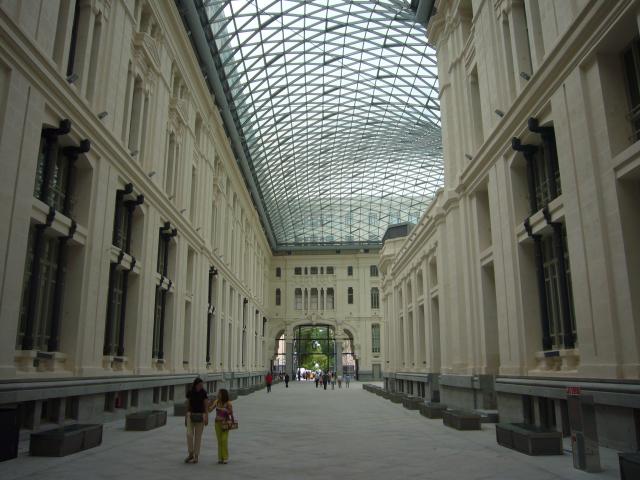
x: 339, y: 355
x: 289, y: 355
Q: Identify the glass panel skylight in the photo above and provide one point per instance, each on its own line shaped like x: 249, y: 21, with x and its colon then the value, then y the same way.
x: 336, y: 103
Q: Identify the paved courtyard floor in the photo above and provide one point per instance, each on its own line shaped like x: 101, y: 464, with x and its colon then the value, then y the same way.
x: 304, y: 433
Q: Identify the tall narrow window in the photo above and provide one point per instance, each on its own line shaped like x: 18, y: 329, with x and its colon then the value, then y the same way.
x: 73, y: 44
x: 631, y: 61
x: 298, y: 298
x: 94, y: 61
x: 556, y: 281
x: 373, y: 270
x: 350, y: 271
x: 278, y: 272
x: 375, y: 338
x: 330, y: 299
x: 164, y: 245
x: 350, y: 295
x: 313, y: 299
x: 375, y: 298
x: 171, y: 165
x: 278, y: 296
x: 118, y: 275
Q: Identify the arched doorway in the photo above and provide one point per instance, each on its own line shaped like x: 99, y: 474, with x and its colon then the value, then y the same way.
x: 314, y: 348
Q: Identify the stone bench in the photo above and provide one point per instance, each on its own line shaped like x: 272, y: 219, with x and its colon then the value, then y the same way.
x: 396, y: 397
x: 180, y: 409
x: 244, y: 391
x: 66, y: 440
x: 529, y: 439
x: 488, y: 416
x: 629, y: 465
x: 412, y: 403
x: 461, y: 420
x: 432, y: 410
x: 145, y: 420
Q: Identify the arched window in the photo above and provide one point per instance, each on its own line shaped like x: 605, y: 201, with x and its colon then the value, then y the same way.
x: 278, y: 296
x: 350, y: 295
x: 298, y: 298
x: 375, y: 298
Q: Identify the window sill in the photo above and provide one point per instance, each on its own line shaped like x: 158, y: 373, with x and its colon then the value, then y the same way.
x: 557, y: 360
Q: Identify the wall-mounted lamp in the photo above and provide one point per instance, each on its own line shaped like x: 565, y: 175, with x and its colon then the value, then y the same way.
x: 469, y: 157
x: 151, y: 173
x: 101, y: 115
x: 133, y: 153
x: 72, y: 78
x: 500, y: 113
x: 525, y: 76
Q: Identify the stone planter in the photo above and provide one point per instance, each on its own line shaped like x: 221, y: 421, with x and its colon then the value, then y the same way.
x: 146, y: 420
x: 461, y: 420
x: 412, y: 403
x: 432, y: 410
x: 66, y: 440
x: 180, y: 409
x: 629, y: 465
x: 396, y: 397
x: 529, y: 439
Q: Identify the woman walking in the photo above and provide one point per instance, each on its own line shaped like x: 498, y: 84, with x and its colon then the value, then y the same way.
x: 196, y: 418
x: 224, y: 412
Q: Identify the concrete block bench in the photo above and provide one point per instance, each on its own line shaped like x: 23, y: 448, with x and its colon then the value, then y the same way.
x: 396, y: 397
x: 180, y: 409
x: 432, y: 410
x: 66, y: 440
x: 145, y: 420
x: 529, y: 439
x: 461, y: 420
x: 488, y: 416
x: 412, y: 403
x: 629, y: 465
x: 244, y: 391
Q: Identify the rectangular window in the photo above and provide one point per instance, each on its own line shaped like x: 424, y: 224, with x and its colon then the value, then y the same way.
x: 330, y: 299
x: 631, y: 60
x: 350, y: 295
x: 158, y: 313
x: 375, y: 338
x: 350, y: 271
x: 373, y: 270
x: 552, y: 279
x: 314, y: 270
x: 278, y: 272
x: 54, y: 173
x: 278, y: 296
x: 375, y: 298
x: 329, y: 270
x: 115, y: 310
x: 298, y: 299
x: 297, y: 271
x: 38, y: 307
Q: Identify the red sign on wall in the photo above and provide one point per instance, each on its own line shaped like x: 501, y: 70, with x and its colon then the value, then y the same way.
x: 573, y: 390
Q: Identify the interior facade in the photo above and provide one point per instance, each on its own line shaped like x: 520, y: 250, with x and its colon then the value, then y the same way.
x: 448, y: 190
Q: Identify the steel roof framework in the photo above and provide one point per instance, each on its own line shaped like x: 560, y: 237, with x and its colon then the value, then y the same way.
x: 336, y: 105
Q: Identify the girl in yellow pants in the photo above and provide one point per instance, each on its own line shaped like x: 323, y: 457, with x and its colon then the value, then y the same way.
x: 224, y: 411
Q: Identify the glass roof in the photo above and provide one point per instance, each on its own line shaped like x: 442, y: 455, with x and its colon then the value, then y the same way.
x: 336, y: 104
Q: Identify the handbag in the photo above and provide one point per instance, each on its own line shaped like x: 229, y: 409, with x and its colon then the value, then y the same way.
x: 230, y: 424
x: 197, y: 417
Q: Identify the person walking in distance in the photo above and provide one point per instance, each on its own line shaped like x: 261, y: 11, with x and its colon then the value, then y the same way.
x: 224, y: 412
x: 333, y: 380
x: 347, y: 379
x: 325, y: 380
x: 196, y: 418
x: 286, y: 380
x: 339, y: 381
x: 317, y: 379
x: 269, y: 380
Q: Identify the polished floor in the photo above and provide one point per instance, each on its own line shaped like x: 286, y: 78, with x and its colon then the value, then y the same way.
x: 304, y: 433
